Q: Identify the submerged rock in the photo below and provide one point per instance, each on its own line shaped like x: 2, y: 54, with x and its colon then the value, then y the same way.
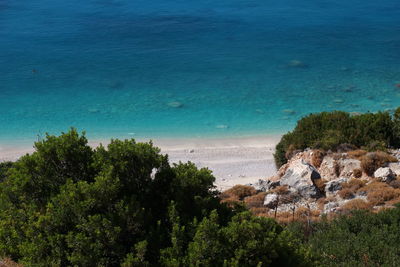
x: 222, y: 126
x: 289, y: 111
x: 175, y: 104
x: 297, y: 64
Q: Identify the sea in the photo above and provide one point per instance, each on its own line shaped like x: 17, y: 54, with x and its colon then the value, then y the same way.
x: 191, y: 68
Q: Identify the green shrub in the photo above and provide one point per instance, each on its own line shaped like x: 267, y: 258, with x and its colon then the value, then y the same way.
x: 328, y: 130
x: 67, y: 204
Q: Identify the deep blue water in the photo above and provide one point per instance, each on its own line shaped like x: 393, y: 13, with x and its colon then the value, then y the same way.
x: 113, y: 67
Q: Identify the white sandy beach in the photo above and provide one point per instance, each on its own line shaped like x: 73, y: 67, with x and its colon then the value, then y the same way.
x: 232, y: 160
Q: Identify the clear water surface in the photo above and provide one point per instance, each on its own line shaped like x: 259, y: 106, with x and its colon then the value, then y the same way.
x: 192, y: 68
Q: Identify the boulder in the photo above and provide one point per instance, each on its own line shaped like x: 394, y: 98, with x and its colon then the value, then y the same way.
x: 271, y: 200
x: 333, y: 186
x: 330, y: 207
x: 327, y: 168
x: 300, y: 176
x: 265, y: 185
x: 384, y: 174
x: 347, y: 167
x: 395, y: 167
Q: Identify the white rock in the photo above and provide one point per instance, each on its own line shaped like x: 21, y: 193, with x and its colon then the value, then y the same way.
x: 333, y: 186
x: 271, y: 200
x: 347, y: 167
x: 384, y: 174
x: 300, y: 175
x: 395, y: 167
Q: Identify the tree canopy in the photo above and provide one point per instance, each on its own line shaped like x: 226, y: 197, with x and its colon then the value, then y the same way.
x: 68, y: 204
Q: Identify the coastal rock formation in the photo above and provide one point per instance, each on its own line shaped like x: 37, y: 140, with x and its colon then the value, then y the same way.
x: 300, y: 175
x: 314, y: 182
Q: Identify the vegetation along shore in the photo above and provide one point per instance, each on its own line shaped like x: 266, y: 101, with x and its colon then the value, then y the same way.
x: 333, y: 201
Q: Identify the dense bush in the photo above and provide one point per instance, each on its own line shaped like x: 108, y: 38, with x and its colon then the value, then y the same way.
x: 362, y: 239
x: 67, y: 204
x: 329, y: 130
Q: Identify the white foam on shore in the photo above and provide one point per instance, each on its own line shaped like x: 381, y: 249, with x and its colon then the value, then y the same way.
x: 239, y: 160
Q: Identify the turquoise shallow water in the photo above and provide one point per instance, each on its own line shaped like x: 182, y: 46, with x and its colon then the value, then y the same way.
x: 113, y: 67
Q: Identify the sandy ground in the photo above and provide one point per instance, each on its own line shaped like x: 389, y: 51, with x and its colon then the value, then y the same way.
x: 232, y: 160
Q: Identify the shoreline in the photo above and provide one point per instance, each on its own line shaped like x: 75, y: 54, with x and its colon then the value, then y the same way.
x: 235, y: 160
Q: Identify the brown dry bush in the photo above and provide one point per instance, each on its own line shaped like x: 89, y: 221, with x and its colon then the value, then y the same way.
x: 354, y: 184
x: 255, y: 201
x: 317, y: 157
x: 374, y: 160
x: 239, y: 191
x: 259, y: 211
x: 383, y: 194
x: 284, y: 217
x: 356, y: 204
x: 357, y: 154
x: 231, y: 201
x: 395, y: 183
x: 281, y: 190
x: 320, y: 184
x: 346, y: 193
x: 7, y: 262
x: 357, y: 173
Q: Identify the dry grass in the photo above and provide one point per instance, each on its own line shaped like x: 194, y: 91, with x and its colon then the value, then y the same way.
x: 239, y: 192
x: 231, y: 201
x: 395, y: 183
x: 381, y: 195
x: 372, y: 161
x: 320, y: 184
x: 281, y: 190
x: 356, y: 204
x: 317, y: 158
x: 357, y: 154
x: 354, y: 184
x: 255, y: 201
x: 346, y: 193
x: 259, y: 211
x: 357, y: 173
x: 7, y: 262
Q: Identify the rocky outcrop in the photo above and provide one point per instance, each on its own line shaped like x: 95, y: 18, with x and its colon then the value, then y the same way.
x: 327, y: 187
x: 347, y: 166
x: 333, y: 186
x: 300, y: 176
x: 384, y: 174
x: 327, y: 168
x: 271, y: 200
x: 265, y: 185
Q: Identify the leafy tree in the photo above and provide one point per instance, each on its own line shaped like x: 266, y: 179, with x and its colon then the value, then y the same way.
x: 67, y: 204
